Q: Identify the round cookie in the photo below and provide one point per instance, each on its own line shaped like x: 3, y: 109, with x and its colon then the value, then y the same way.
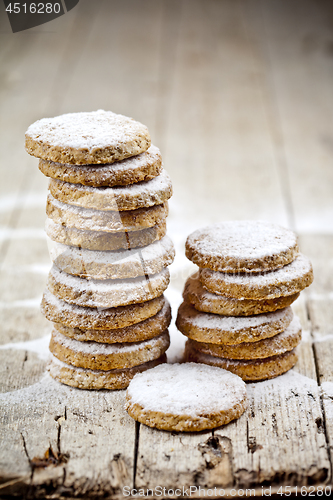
x: 185, y: 397
x: 248, y: 370
x: 97, y: 220
x: 97, y: 356
x: 104, y: 241
x: 119, y: 198
x: 86, y: 318
x: 288, y: 280
x: 144, y: 330
x: 209, y: 302
x: 84, y: 138
x: 215, y: 329
x: 242, y: 246
x: 106, y: 293
x: 84, y: 378
x: 280, y: 343
x: 140, y: 168
x: 114, y: 265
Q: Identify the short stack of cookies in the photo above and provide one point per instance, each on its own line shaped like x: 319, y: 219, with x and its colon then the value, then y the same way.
x: 236, y: 311
x: 107, y: 209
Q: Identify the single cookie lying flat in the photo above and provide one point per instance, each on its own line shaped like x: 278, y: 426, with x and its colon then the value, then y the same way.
x: 84, y: 138
x: 101, y: 240
x: 97, y: 356
x: 97, y: 220
x: 209, y: 302
x: 142, y: 167
x: 106, y: 293
x: 215, y: 329
x: 288, y: 280
x: 84, y: 378
x: 242, y: 246
x: 73, y: 316
x: 248, y: 370
x: 185, y: 397
x: 118, y: 198
x: 144, y: 330
x: 114, y: 265
x: 280, y: 343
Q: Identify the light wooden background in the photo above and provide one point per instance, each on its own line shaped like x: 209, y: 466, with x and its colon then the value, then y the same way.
x: 238, y: 95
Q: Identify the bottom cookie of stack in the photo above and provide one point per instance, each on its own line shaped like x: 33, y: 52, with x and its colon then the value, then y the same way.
x: 93, y: 365
x: 85, y: 378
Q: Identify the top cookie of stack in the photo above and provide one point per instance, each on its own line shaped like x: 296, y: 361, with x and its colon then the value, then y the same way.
x: 107, y: 207
x: 236, y: 311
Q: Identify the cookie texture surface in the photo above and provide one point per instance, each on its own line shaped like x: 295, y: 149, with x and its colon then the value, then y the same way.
x: 144, y: 330
x: 114, y: 265
x: 215, y: 329
x: 73, y: 316
x: 209, y: 302
x: 242, y: 246
x: 248, y: 370
x: 83, y: 378
x: 97, y: 356
x: 97, y: 220
x: 185, y: 397
x: 106, y: 293
x: 140, y: 168
x: 280, y: 343
x: 118, y: 198
x: 288, y: 280
x: 84, y: 138
x: 104, y: 241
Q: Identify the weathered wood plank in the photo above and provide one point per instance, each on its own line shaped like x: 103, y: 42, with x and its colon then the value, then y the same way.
x: 321, y: 314
x: 78, y: 442
x: 295, y: 41
x: 217, y: 126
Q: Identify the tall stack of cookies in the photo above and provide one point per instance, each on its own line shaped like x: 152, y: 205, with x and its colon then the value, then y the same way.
x: 107, y: 209
x: 236, y: 311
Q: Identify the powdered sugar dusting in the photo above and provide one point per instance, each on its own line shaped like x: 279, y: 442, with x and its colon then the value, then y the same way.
x: 143, y: 256
x: 97, y: 129
x: 108, y: 293
x: 103, y: 169
x: 186, y: 389
x: 233, y: 323
x: 141, y: 194
x: 95, y: 348
x: 284, y: 281
x: 245, y: 240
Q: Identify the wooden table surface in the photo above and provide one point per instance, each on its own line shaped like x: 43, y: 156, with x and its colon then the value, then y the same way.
x: 238, y: 96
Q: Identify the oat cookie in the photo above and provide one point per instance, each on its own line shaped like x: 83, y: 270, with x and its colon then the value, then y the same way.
x: 86, y: 318
x: 118, y: 198
x: 248, y: 370
x: 288, y: 280
x: 280, y: 343
x: 84, y: 378
x: 242, y: 246
x: 186, y: 397
x: 216, y: 329
x: 97, y: 220
x: 84, y: 138
x: 114, y: 265
x: 209, y: 302
x: 97, y: 356
x: 104, y: 241
x: 140, y: 168
x: 144, y: 330
x: 106, y: 293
